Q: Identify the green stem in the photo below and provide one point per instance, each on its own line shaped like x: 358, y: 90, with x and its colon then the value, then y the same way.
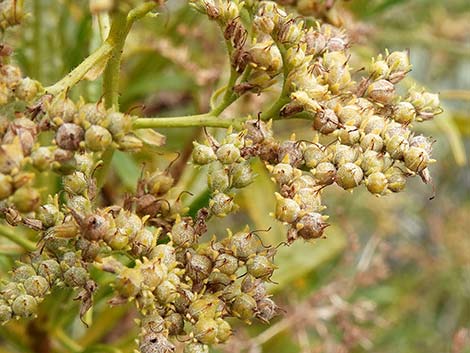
x: 77, y: 74
x: 117, y: 38
x: 102, y: 53
x: 283, y: 99
x: 38, y: 40
x: 8, y: 233
x: 202, y: 120
x: 121, y: 25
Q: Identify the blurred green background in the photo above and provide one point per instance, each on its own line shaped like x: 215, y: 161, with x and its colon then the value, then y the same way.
x: 393, y: 274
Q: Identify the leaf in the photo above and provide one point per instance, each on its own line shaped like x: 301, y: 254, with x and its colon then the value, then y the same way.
x: 127, y: 169
x: 150, y: 137
x: 448, y: 126
x: 97, y: 70
x: 302, y: 258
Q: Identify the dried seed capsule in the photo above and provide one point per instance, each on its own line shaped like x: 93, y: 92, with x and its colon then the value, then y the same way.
x: 396, y: 179
x: 27, y: 89
x: 205, y: 330
x: 381, y: 91
x: 218, y: 281
x: 244, y: 244
x: 144, y: 241
x: 375, y: 124
x: 26, y: 199
x: 287, y: 210
x: 69, y: 136
x: 50, y: 270
x: 196, y: 348
x: 422, y: 142
x: 11, y: 290
x: 166, y: 292
x: 218, y: 177
x: 198, y: 267
x: 313, y: 155
x: 37, y: 286
x: 24, y: 306
x: 379, y: 69
x: 183, y: 233
x: 226, y: 264
x: 42, y: 158
x: 244, y: 307
x: 345, y: 154
x: 372, y: 162
x: 93, y: 113
x: 399, y: 61
x: 152, y: 274
x: 85, y: 163
x: 258, y: 131
x: 376, y: 183
x: 61, y: 108
x: 310, y: 199
x: 224, y: 330
x: 228, y: 153
x: 6, y: 187
x: 97, y: 227
x: 326, y: 121
x: 80, y: 205
x: 291, y: 151
x: 76, y: 183
x: 221, y: 204
x: 325, y: 173
x: 396, y: 146
x: 404, y: 113
x: 416, y: 159
x: 75, y: 277
x: 155, y: 342
x: 165, y: 254
x: 5, y: 313
x: 206, y: 306
x: 349, y: 176
x: 242, y: 175
x: 153, y: 322
x: 203, y: 154
x: 372, y: 142
x: 119, y: 124
x: 283, y: 173
x: 349, y: 135
x: 89, y: 249
x: 350, y: 115
x: 259, y: 266
x: 311, y: 226
x: 97, y: 138
x: 174, y: 324
x: 22, y: 273
x: 267, y: 309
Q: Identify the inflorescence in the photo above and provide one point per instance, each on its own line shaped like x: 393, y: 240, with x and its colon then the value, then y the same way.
x: 184, y: 287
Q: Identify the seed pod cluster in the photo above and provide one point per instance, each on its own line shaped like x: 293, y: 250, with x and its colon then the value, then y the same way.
x: 18, y: 138
x: 31, y: 282
x: 88, y: 126
x: 187, y: 287
x: 228, y: 169
x: 15, y: 87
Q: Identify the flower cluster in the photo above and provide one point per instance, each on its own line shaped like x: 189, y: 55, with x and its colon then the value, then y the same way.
x: 181, y: 284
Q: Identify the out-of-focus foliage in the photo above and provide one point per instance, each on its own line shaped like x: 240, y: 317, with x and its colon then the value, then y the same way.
x: 392, y: 275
